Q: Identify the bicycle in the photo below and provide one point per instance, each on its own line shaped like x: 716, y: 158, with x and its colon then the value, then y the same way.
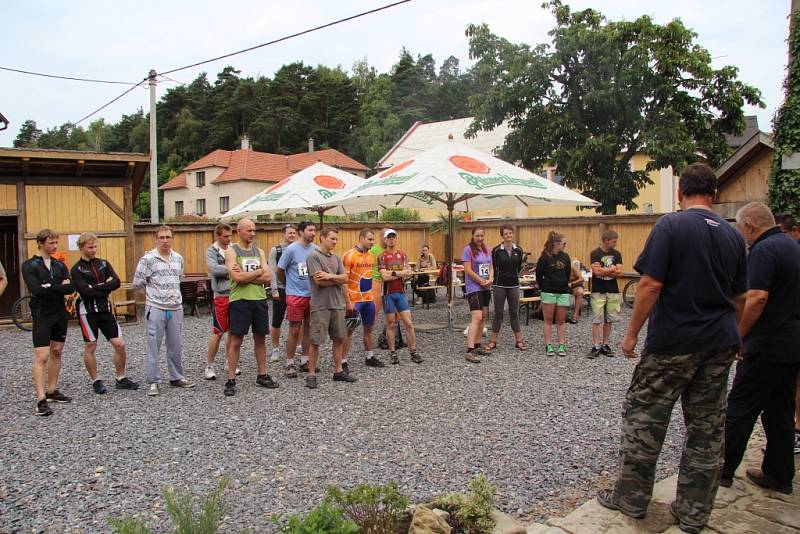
x: 21, y: 311
x: 629, y: 291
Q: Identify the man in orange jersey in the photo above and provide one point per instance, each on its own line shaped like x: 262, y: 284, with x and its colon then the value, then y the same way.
x: 358, y: 264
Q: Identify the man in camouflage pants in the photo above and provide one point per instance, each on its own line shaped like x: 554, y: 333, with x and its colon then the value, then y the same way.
x: 694, y: 279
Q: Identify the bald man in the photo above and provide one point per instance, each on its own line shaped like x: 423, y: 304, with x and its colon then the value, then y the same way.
x: 249, y: 272
x: 766, y: 373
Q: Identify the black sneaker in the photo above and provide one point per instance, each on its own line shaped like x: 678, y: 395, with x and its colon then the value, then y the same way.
x: 374, y: 362
x: 344, y: 376
x: 57, y: 396
x: 266, y: 381
x: 605, y: 350
x: 43, y: 409
x: 394, y: 358
x: 127, y: 383
x: 230, y: 388
x: 415, y: 357
x: 99, y: 387
x: 594, y: 353
x: 304, y: 368
x: 311, y: 381
x: 725, y: 481
x: 345, y: 367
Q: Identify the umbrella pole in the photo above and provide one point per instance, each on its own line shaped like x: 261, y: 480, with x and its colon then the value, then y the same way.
x: 450, y: 266
x: 321, y: 217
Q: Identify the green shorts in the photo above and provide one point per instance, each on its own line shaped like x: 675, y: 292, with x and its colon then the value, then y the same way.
x: 605, y: 307
x: 559, y: 299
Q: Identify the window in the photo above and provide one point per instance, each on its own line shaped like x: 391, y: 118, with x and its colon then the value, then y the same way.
x: 201, y: 206
x: 178, y: 207
x: 223, y: 204
x: 201, y: 178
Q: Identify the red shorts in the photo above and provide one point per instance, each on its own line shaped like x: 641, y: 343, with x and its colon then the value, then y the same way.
x: 219, y: 315
x: 297, y: 308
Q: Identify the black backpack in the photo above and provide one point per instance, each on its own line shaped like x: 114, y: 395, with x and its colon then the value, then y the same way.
x: 383, y: 343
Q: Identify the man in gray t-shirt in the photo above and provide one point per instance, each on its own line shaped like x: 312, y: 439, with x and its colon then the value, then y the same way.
x: 327, y: 276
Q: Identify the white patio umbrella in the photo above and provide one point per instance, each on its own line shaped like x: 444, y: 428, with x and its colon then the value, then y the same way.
x: 460, y: 178
x: 303, y: 192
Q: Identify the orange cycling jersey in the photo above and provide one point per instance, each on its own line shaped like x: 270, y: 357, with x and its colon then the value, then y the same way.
x: 359, y: 268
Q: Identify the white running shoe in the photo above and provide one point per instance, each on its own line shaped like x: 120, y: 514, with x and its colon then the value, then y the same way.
x: 276, y: 355
x: 153, y: 390
x: 211, y: 374
x: 466, y: 331
x: 298, y: 351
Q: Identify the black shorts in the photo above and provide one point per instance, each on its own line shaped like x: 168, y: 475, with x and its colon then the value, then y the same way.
x: 92, y: 323
x: 479, y: 300
x: 50, y: 327
x: 278, y: 308
x: 242, y: 314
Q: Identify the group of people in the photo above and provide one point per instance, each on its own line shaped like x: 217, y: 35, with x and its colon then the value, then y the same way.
x: 707, y: 300
x: 495, y: 275
x: 709, y: 303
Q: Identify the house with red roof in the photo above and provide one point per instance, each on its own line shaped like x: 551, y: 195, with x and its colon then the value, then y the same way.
x: 223, y: 179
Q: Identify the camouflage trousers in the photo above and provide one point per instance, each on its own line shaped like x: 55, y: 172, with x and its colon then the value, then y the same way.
x: 700, y: 381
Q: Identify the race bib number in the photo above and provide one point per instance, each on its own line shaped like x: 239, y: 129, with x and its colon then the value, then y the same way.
x: 483, y: 270
x: 302, y: 269
x: 250, y: 264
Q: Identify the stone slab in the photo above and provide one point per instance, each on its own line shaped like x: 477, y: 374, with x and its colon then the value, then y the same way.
x: 777, y: 511
x: 505, y: 524
x: 733, y: 521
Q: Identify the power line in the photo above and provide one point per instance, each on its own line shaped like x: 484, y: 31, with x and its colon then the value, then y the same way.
x: 170, y: 79
x: 64, y: 77
x: 286, y: 38
x: 98, y: 110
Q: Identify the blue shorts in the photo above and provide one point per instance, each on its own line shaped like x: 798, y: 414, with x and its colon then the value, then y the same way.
x: 395, y: 303
x: 367, y: 312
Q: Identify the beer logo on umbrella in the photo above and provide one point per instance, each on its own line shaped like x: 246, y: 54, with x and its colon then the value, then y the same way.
x: 329, y: 182
x: 469, y: 164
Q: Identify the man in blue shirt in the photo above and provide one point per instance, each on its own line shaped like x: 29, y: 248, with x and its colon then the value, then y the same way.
x: 293, y: 272
x: 766, y: 374
x: 694, y: 279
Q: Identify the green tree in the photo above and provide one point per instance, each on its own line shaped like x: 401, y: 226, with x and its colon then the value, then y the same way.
x: 602, y: 92
x: 784, y: 186
x: 379, y: 124
x: 28, y: 136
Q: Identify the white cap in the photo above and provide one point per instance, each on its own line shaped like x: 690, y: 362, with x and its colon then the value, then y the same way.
x: 388, y: 232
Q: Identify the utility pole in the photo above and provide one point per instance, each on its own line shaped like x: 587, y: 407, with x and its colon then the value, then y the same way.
x: 153, y: 151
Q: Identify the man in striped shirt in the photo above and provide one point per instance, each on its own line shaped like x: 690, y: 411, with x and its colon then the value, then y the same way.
x: 159, y: 274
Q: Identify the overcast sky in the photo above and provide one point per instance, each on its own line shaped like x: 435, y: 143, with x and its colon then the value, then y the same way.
x: 124, y: 39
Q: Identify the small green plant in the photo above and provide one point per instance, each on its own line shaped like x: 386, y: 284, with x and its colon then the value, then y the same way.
x: 180, y: 506
x: 469, y: 513
x: 324, y: 519
x: 375, y: 509
x: 399, y: 214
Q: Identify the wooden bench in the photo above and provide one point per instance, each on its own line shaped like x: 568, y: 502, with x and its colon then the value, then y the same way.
x: 528, y: 303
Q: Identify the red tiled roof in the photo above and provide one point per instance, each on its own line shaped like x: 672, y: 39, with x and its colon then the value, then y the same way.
x: 176, y: 183
x: 329, y: 156
x: 263, y: 166
x: 218, y: 158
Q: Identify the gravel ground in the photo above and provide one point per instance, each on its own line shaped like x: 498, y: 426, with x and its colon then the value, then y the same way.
x: 545, y: 429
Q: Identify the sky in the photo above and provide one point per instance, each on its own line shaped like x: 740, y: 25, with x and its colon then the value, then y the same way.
x: 123, y: 40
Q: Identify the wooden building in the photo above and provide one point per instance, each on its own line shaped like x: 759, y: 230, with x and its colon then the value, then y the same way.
x: 70, y: 192
x: 744, y: 176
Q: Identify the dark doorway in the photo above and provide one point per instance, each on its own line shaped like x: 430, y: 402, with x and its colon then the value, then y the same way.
x: 9, y: 257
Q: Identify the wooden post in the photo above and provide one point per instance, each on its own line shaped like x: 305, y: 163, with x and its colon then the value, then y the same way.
x: 130, y: 239
x: 22, y: 228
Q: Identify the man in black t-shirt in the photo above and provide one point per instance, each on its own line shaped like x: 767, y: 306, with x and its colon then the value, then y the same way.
x: 694, y: 279
x: 766, y: 374
x: 606, y: 268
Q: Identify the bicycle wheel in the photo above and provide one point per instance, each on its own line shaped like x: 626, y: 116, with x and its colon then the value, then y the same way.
x: 21, y: 313
x: 629, y: 292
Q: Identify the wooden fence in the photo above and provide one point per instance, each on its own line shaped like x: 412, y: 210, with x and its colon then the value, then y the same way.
x: 582, y: 235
